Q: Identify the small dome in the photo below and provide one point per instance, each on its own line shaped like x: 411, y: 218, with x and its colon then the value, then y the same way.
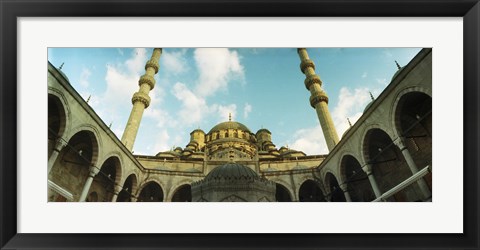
x: 348, y: 129
x: 197, y: 131
x: 263, y: 130
x: 232, y: 170
x: 368, y: 106
x: 63, y: 74
x: 397, y: 73
x: 229, y: 125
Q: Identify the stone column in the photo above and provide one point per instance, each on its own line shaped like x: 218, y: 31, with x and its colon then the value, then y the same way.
x: 368, y: 170
x: 59, y: 145
x: 116, y: 191
x: 413, y: 167
x: 318, y: 99
x: 294, y: 188
x: 93, y: 172
x: 141, y: 100
x: 343, y: 187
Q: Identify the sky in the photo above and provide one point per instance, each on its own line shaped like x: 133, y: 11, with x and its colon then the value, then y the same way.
x: 200, y: 87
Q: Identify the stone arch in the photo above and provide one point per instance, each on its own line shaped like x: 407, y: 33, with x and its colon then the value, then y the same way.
x: 107, y: 178
x: 310, y: 191
x: 412, y: 121
x: 57, y: 121
x: 182, y: 193
x: 282, y: 194
x: 356, y: 180
x: 119, y: 172
x: 341, y: 171
x: 367, y: 129
x: 73, y: 164
x: 151, y: 191
x: 394, y: 121
x: 335, y: 193
x: 287, y: 185
x: 389, y: 168
x: 129, y: 188
x: 92, y: 197
x: 90, y: 128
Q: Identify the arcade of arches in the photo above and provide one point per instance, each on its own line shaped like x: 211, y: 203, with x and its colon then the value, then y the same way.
x: 391, y: 142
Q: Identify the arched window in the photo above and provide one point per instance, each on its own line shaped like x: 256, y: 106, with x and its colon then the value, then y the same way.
x: 183, y: 194
x: 309, y: 192
x: 152, y: 192
x: 282, y: 194
x: 358, y: 185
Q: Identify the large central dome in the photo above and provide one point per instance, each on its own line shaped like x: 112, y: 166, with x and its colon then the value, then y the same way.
x: 229, y: 125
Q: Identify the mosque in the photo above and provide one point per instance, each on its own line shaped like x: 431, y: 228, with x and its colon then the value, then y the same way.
x: 385, y: 156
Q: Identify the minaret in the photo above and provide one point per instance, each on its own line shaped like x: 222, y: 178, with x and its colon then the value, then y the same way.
x: 318, y: 98
x: 140, y: 99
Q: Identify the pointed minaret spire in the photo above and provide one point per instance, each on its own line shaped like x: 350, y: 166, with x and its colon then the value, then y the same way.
x: 229, y: 117
x: 140, y: 99
x: 349, y: 123
x: 371, y: 96
x: 398, y: 65
x: 318, y: 98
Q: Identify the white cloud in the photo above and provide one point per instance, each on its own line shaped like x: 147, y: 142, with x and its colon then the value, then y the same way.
x: 162, y: 141
x: 223, y: 112
x: 84, y: 77
x: 174, y: 62
x: 364, y: 75
x: 193, y: 108
x: 246, y: 110
x: 310, y: 141
x: 136, y: 64
x: 382, y: 81
x: 387, y: 53
x: 350, y: 105
x: 121, y: 79
x: 162, y: 118
x: 216, y: 68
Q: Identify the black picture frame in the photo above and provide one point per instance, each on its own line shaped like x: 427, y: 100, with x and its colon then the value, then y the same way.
x: 11, y: 10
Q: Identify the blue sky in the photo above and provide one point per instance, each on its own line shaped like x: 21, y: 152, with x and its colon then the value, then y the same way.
x: 199, y: 87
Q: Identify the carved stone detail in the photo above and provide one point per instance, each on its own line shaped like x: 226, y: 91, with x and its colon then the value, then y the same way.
x: 318, y: 97
x: 152, y: 63
x: 147, y: 79
x: 307, y: 63
x: 141, y: 97
x: 312, y: 79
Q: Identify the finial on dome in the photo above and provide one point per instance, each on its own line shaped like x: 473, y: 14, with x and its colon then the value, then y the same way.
x: 398, y: 65
x: 61, y: 66
x: 349, y: 123
x: 371, y: 96
x: 229, y: 117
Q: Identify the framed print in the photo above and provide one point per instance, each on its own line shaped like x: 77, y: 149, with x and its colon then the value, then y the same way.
x: 179, y: 55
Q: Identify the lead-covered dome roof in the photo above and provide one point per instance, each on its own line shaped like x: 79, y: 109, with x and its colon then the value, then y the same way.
x: 232, y: 171
x: 229, y: 125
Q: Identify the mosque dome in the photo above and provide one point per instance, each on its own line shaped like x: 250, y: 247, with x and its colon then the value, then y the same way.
x: 348, y: 129
x: 368, y: 106
x: 229, y: 125
x: 61, y: 73
x: 232, y: 171
x: 400, y: 69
